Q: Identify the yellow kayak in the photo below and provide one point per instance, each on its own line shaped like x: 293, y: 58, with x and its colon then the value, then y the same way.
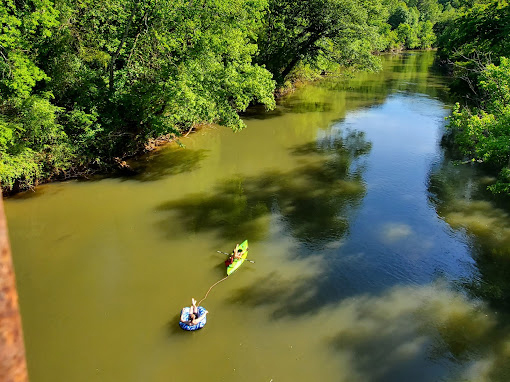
x: 237, y: 262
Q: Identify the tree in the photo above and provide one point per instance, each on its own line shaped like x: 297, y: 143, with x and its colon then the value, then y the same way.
x: 430, y: 10
x: 484, y: 28
x: 338, y: 31
x: 484, y: 134
x: 426, y: 34
x: 407, y: 36
x: 116, y: 73
x: 413, y: 23
x: 31, y: 140
x: 399, y: 16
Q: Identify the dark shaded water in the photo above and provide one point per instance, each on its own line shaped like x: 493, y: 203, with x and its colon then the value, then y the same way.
x: 376, y: 259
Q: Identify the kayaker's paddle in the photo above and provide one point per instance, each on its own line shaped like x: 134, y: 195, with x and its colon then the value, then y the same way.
x: 228, y: 254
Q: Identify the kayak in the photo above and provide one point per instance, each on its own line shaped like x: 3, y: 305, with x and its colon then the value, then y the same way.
x: 200, y: 325
x: 237, y: 262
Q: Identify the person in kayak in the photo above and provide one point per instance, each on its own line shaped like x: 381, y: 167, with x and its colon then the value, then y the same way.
x: 193, y: 319
x: 237, y: 253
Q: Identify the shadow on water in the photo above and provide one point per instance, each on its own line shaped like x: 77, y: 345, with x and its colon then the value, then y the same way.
x: 259, y: 112
x: 166, y: 163
x: 30, y: 194
x: 220, y: 268
x: 232, y: 210
x: 173, y: 328
x: 460, y: 197
x: 312, y: 200
x: 314, y: 204
x: 308, y: 107
x: 302, y: 297
x: 152, y: 167
x: 285, y: 106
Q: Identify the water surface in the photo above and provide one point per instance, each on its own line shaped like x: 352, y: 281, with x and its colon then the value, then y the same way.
x: 376, y: 259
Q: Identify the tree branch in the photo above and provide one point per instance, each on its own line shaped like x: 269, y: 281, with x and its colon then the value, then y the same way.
x: 119, y: 48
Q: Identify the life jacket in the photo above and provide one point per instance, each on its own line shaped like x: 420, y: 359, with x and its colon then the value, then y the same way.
x: 229, y: 261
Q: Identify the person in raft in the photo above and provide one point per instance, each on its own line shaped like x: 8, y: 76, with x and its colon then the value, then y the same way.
x: 194, y: 319
x: 237, y: 253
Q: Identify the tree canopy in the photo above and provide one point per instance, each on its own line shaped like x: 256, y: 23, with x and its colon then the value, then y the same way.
x: 312, y: 31
x: 86, y: 83
x: 475, y: 43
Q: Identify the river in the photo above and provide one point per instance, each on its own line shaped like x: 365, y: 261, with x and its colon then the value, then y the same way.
x: 375, y: 257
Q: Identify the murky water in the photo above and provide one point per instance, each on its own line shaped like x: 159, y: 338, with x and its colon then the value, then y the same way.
x: 376, y: 259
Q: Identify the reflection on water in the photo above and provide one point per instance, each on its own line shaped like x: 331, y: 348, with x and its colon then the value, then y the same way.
x: 408, y: 329
x: 461, y: 200
x: 374, y: 258
x: 162, y: 164
x: 313, y: 199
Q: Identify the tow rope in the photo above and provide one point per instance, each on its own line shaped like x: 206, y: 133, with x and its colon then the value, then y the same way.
x: 212, y: 286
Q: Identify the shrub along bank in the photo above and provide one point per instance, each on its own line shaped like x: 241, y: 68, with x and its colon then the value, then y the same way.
x: 86, y: 83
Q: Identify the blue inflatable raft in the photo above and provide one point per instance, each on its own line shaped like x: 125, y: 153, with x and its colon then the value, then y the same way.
x: 200, y: 325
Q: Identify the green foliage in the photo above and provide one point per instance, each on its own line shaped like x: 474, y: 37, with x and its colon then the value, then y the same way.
x: 87, y: 81
x: 502, y: 186
x: 23, y: 168
x: 412, y: 24
x: 315, y: 31
x: 23, y: 27
x: 426, y: 34
x: 483, y: 134
x: 482, y: 29
x: 32, y: 143
x: 407, y: 36
x: 429, y: 10
x: 166, y: 65
x: 400, y: 16
x: 389, y: 39
x: 472, y: 37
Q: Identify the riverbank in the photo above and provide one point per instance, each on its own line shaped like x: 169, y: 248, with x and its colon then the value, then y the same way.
x: 114, y: 166
x: 299, y: 78
x: 120, y: 164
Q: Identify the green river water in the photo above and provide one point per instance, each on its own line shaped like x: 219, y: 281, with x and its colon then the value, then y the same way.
x: 376, y: 258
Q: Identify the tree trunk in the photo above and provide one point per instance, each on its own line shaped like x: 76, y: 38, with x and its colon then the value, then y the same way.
x: 13, y: 366
x: 298, y: 56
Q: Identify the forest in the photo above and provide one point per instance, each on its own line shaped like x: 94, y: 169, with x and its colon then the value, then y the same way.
x: 86, y: 84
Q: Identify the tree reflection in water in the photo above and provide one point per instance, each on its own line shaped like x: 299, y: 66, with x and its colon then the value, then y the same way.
x: 315, y: 200
x: 460, y: 197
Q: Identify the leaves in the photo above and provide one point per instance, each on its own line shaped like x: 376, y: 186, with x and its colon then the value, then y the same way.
x: 484, y: 133
x: 87, y: 81
x: 310, y: 31
x: 84, y: 81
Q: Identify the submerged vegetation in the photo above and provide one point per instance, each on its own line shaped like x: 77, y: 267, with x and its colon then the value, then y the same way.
x: 87, y: 83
